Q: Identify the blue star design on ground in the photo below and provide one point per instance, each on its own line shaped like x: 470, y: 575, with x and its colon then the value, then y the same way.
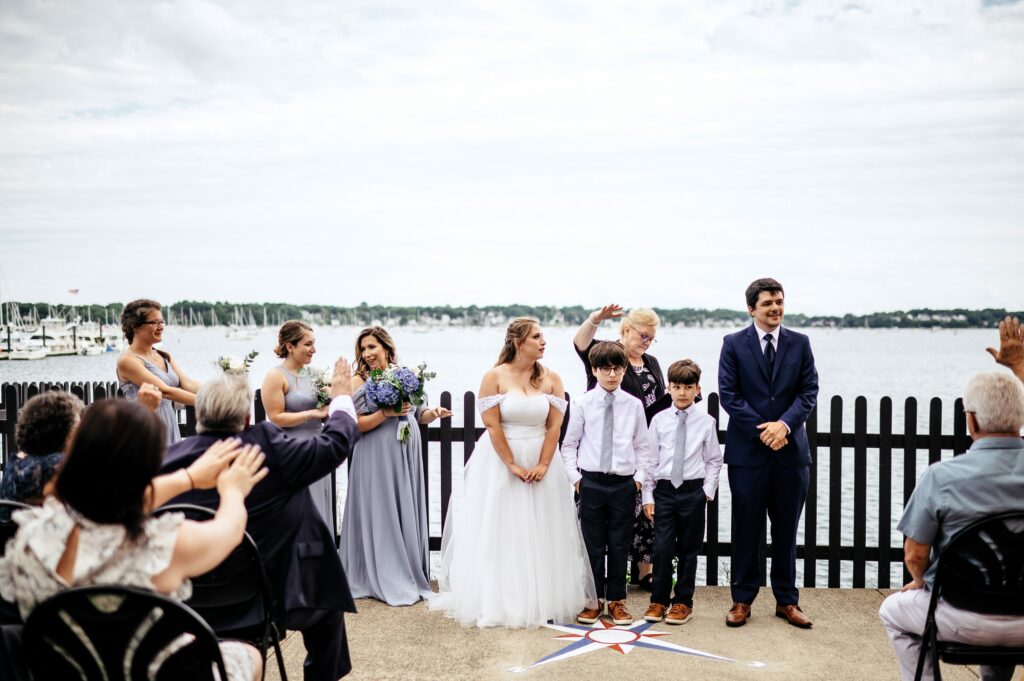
x: 621, y: 639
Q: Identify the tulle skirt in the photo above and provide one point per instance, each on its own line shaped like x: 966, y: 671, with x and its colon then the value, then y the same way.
x: 512, y: 553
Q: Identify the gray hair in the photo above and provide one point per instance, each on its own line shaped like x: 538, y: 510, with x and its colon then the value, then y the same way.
x: 222, y: 404
x: 997, y: 401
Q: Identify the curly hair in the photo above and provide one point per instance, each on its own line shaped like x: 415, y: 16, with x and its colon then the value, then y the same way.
x: 134, y: 315
x: 292, y: 332
x: 386, y: 342
x: 45, y: 422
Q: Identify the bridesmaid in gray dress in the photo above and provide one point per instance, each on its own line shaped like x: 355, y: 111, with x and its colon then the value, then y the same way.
x: 384, y: 536
x: 290, y: 401
x: 143, y: 325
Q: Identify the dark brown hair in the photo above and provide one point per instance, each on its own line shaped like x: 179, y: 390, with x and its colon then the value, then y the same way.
x: 292, y: 332
x: 45, y: 421
x: 134, y: 315
x: 517, y: 331
x: 386, y: 342
x: 607, y: 354
x: 114, y: 455
x: 684, y: 372
x: 759, y: 286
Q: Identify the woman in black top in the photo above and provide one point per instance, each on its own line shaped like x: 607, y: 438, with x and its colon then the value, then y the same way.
x: 645, y: 381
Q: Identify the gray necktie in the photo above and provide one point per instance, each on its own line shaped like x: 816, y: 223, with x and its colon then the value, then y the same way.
x: 677, y: 456
x: 607, y: 433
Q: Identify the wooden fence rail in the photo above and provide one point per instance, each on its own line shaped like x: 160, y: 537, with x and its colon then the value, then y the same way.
x: 827, y: 445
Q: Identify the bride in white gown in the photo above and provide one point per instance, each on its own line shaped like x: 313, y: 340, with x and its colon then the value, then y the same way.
x: 512, y: 553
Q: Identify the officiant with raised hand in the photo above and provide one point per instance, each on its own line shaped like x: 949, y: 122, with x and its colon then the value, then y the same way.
x: 643, y: 380
x: 385, y: 543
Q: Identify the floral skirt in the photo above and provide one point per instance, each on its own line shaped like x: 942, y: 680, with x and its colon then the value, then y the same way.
x: 641, y: 549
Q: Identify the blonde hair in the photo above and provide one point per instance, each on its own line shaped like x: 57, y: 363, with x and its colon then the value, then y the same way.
x: 997, y: 401
x: 386, y: 342
x: 516, y: 333
x: 292, y: 332
x: 639, y: 316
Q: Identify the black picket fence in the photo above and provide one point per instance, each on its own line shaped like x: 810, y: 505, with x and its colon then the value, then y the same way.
x: 887, y: 449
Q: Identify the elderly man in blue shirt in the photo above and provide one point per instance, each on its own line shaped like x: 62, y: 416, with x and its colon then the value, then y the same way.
x: 950, y: 495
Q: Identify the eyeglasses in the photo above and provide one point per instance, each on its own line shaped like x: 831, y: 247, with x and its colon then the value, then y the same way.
x: 611, y: 371
x: 644, y: 338
x: 156, y: 322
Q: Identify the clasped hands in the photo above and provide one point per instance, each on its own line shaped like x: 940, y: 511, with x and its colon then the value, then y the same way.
x: 535, y: 474
x: 773, y: 434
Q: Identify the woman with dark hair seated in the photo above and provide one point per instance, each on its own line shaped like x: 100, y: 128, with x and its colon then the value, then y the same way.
x: 96, y: 529
x: 45, y: 426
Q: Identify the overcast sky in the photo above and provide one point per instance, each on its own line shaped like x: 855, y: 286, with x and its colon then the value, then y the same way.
x: 867, y: 153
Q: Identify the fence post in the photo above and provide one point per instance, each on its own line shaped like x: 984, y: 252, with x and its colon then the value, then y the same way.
x: 909, y: 459
x: 884, y: 490
x: 811, y: 505
x: 446, y: 457
x: 711, y: 545
x: 835, y: 490
x: 860, y: 489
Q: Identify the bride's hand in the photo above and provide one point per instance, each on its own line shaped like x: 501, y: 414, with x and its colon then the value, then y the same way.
x: 519, y: 472
x: 536, y: 474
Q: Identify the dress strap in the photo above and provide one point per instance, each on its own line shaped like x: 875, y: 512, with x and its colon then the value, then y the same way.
x: 489, y: 402
x: 557, y: 402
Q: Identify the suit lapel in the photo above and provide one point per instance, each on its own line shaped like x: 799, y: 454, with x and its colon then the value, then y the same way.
x: 754, y: 345
x: 783, y: 347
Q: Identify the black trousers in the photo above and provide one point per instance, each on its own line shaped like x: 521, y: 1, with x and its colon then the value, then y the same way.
x: 606, y: 520
x: 323, y: 634
x: 678, y: 532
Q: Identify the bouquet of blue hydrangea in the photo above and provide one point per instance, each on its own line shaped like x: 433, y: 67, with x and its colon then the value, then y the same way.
x: 397, y: 384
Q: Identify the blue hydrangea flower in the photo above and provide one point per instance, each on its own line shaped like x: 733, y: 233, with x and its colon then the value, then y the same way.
x: 410, y: 384
x: 383, y: 393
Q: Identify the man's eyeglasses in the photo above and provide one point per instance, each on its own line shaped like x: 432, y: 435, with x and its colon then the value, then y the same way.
x: 644, y: 338
x: 156, y: 322
x: 611, y: 371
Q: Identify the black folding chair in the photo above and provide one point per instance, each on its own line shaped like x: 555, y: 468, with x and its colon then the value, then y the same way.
x: 980, y: 570
x: 231, y: 590
x: 119, y: 633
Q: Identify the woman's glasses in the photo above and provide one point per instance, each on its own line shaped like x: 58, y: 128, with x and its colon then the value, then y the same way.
x: 644, y: 338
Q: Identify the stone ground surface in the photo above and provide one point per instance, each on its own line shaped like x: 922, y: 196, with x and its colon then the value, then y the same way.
x: 846, y: 642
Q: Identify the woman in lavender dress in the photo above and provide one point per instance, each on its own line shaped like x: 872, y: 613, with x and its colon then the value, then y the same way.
x: 143, y: 325
x: 384, y: 538
x: 290, y: 400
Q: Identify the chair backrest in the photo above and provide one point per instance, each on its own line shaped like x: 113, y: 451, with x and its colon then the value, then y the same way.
x: 8, y: 528
x: 982, y: 567
x: 237, y: 589
x: 115, y: 632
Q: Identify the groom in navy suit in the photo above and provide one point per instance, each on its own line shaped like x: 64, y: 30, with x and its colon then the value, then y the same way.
x: 768, y: 385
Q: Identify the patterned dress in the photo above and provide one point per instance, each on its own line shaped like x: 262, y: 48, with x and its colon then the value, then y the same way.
x: 28, y: 570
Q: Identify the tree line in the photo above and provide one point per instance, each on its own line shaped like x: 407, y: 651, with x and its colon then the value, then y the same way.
x: 194, y: 312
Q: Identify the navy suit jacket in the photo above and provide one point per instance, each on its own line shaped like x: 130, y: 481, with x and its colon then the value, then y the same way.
x: 751, y: 397
x: 296, y: 545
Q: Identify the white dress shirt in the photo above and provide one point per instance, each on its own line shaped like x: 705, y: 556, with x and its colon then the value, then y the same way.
x: 581, y: 448
x: 702, y: 457
x: 761, y: 333
x: 343, y: 403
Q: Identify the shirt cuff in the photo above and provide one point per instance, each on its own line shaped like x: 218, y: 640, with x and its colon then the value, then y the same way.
x: 709, y: 493
x: 574, y: 475
x: 342, y: 403
x: 788, y: 429
x: 639, y: 476
x: 648, y: 496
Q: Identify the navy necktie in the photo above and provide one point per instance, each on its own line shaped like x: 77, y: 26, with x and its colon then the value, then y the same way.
x: 769, y: 353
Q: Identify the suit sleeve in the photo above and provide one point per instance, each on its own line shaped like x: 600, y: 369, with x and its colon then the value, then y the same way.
x: 741, y: 414
x: 571, y: 443
x: 304, y: 461
x: 806, y: 393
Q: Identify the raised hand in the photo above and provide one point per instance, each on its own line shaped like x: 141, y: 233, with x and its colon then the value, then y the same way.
x: 341, y: 380
x: 611, y: 311
x: 150, y: 396
x: 205, y: 470
x: 246, y: 470
x: 1011, y: 346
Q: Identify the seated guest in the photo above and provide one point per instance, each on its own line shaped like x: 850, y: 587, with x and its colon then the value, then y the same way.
x: 97, y: 529
x: 296, y: 544
x: 950, y: 495
x: 42, y: 435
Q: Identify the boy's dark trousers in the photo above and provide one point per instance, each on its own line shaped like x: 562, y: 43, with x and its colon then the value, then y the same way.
x: 678, y: 532
x: 607, y: 502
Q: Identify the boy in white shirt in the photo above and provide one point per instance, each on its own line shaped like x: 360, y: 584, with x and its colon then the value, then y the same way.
x: 606, y: 457
x: 684, y: 443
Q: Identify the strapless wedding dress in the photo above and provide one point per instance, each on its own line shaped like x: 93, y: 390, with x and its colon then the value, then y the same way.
x: 511, y: 552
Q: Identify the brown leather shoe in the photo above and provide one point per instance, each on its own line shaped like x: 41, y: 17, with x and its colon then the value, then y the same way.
x: 655, y: 613
x: 794, y: 615
x: 738, y: 615
x: 617, y: 609
x: 590, y: 615
x: 679, y: 613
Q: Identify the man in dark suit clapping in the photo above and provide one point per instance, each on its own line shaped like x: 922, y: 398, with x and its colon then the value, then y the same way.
x: 296, y: 545
x: 768, y: 386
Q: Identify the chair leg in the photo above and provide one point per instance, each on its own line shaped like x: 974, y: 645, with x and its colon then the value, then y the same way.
x: 275, y: 638
x: 925, y: 638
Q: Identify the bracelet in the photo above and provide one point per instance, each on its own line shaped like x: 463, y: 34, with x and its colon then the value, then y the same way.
x: 191, y: 482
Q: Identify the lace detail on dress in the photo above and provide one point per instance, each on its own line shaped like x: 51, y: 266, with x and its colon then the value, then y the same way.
x: 489, y: 402
x: 557, y: 402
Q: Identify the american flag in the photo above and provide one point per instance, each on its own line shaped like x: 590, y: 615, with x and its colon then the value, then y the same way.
x: 73, y: 291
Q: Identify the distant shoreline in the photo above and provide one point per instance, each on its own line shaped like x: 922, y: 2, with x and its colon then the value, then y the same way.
x: 254, y: 315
